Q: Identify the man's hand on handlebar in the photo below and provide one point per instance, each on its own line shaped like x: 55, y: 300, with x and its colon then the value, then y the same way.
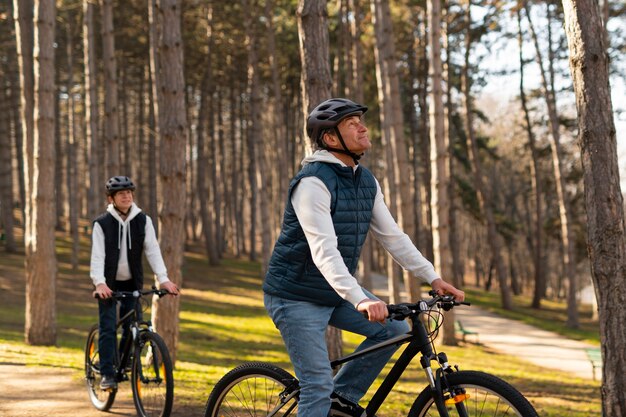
x: 375, y: 310
x: 443, y: 288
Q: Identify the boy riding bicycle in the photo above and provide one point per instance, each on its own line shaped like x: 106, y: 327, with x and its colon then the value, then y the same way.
x: 120, y: 236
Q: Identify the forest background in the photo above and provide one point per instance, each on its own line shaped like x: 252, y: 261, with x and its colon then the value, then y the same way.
x: 203, y: 105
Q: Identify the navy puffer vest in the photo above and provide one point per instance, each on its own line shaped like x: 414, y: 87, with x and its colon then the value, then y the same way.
x: 291, y: 272
x: 110, y: 227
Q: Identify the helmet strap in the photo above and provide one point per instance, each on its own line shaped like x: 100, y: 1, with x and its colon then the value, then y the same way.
x: 355, y: 157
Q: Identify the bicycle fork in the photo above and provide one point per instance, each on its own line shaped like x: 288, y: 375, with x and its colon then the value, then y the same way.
x: 443, y: 394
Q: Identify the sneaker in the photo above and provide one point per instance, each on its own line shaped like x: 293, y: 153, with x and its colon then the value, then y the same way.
x: 340, y: 407
x: 108, y: 383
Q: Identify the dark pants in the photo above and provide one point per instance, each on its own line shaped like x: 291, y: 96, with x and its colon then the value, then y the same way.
x: 107, y: 326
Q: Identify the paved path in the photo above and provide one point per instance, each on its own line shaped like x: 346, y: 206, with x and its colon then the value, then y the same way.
x: 36, y: 391
x: 515, y: 338
x: 534, y: 345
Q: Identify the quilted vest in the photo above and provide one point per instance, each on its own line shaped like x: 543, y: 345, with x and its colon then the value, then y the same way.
x: 110, y: 227
x: 292, y: 274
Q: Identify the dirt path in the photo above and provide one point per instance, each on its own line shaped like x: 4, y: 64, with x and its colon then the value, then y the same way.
x: 35, y: 391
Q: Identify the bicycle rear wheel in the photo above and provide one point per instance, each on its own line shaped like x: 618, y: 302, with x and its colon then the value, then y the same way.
x: 102, y: 400
x: 152, y: 377
x: 254, y: 389
x: 488, y: 396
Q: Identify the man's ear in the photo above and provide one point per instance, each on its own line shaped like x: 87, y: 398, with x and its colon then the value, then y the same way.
x: 330, y: 139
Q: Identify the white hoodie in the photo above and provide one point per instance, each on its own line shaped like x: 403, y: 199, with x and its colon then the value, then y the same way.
x: 311, y: 202
x: 150, y: 246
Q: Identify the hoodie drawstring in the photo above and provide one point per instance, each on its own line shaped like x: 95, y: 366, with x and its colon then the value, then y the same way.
x: 121, y: 228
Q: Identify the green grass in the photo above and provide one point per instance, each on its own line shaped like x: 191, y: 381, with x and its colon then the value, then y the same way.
x: 551, y: 316
x: 223, y: 323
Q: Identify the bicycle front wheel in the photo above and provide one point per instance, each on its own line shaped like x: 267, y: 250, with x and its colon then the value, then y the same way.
x: 152, y: 377
x: 102, y: 400
x: 254, y: 389
x: 488, y: 396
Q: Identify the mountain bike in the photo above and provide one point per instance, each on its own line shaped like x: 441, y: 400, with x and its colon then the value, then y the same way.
x: 144, y: 355
x: 258, y: 389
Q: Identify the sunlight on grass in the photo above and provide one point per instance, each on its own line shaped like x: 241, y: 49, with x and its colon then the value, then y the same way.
x: 223, y: 323
x: 249, y: 300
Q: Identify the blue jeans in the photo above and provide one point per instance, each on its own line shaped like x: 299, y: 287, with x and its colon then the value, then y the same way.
x: 107, y: 339
x: 303, y: 327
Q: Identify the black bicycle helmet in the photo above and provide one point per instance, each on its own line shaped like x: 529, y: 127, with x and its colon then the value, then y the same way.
x: 328, y: 114
x: 119, y: 183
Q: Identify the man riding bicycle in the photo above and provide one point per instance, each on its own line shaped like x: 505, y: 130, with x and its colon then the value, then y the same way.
x: 120, y: 236
x: 332, y: 204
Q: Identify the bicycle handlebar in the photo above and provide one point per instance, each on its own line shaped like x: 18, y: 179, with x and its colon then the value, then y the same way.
x: 403, y: 310
x: 136, y: 293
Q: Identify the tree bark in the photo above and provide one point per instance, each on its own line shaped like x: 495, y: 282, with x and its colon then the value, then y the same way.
x: 536, y: 180
x: 154, y: 112
x: 172, y: 171
x: 6, y: 176
x: 316, y: 81
x: 111, y: 116
x: 256, y: 150
x: 485, y: 198
x: 392, y: 121
x: 565, y: 216
x: 94, y: 190
x: 40, y: 323
x: 23, y: 16
x: 316, y: 84
x: 589, y: 65
x: 206, y: 93
x: 73, y: 195
x: 439, y: 149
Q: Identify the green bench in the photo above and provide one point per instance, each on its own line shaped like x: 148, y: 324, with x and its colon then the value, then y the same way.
x: 595, y: 357
x: 458, y: 326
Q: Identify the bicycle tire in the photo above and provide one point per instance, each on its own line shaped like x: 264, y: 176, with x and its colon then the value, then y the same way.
x: 101, y: 400
x: 488, y: 396
x: 152, y: 378
x: 253, y: 390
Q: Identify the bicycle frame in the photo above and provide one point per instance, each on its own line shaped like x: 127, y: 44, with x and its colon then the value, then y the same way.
x: 418, y: 342
x: 133, y: 329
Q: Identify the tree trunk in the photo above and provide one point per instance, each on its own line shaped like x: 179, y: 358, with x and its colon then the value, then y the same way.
x: 72, y: 151
x: 255, y: 142
x: 40, y: 323
x: 485, y: 198
x: 537, y: 182
x: 316, y: 84
x: 316, y: 81
x: 392, y: 121
x: 153, y: 112
x: 589, y: 65
x: 111, y: 116
x: 565, y: 216
x: 23, y: 12
x: 173, y: 139
x: 280, y: 140
x: 94, y: 189
x: 15, y: 94
x: 206, y: 93
x: 6, y: 176
x: 439, y: 149
x: 425, y: 242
